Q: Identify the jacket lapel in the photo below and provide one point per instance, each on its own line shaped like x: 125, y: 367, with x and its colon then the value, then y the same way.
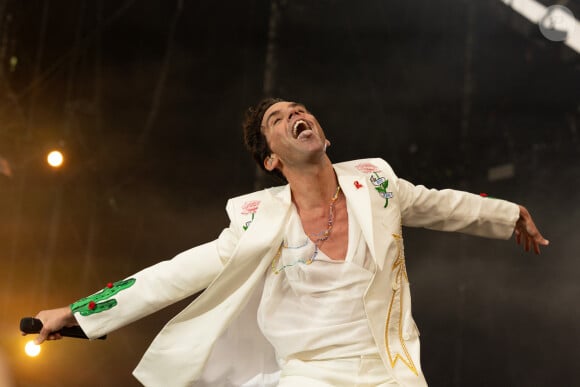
x: 259, y: 242
x: 359, y: 195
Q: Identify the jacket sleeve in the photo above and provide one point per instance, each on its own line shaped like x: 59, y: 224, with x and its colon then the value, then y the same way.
x: 155, y: 287
x: 451, y: 210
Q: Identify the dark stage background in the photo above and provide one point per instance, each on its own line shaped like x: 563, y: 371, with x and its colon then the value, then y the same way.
x: 145, y: 98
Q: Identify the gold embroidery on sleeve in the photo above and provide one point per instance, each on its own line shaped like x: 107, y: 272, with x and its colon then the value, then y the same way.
x: 394, y: 320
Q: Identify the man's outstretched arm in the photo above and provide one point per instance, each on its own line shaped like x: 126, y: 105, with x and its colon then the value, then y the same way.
x: 451, y: 210
x: 527, y: 233
x: 122, y: 302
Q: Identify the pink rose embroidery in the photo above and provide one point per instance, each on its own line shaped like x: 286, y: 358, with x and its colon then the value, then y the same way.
x: 367, y: 167
x: 250, y: 207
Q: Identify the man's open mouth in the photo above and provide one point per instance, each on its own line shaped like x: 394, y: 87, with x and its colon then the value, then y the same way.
x: 299, y: 127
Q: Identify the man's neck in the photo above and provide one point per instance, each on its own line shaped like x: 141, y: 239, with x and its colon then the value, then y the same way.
x: 313, y: 185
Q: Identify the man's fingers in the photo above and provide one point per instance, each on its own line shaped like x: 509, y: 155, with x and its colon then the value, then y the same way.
x: 42, y: 336
x: 539, y: 239
x: 536, y: 248
x: 54, y: 336
x: 46, y: 335
x: 527, y: 243
x: 47, y: 332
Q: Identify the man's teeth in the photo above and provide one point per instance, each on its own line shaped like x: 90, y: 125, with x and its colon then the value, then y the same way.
x: 297, y: 125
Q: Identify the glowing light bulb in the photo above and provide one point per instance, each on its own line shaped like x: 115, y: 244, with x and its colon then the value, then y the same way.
x: 55, y: 159
x: 32, y: 349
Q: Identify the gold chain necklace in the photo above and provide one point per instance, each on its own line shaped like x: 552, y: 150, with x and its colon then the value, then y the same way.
x: 320, y: 237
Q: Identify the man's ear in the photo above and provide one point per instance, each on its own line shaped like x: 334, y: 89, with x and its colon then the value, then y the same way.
x: 270, y: 163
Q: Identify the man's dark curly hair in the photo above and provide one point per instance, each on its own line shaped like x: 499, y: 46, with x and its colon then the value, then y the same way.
x: 254, y: 138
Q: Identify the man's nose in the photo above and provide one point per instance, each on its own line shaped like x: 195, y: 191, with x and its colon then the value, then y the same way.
x: 292, y: 113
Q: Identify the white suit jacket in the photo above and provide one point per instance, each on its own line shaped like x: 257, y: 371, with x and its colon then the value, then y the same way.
x: 232, y: 268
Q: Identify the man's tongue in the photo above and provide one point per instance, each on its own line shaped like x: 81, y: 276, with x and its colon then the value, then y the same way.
x: 302, y: 129
x: 304, y: 134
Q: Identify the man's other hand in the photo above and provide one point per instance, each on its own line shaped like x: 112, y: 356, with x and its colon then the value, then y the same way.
x: 527, y: 233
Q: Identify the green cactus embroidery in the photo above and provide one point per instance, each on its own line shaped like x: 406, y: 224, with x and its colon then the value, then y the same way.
x: 381, y: 184
x: 99, y: 302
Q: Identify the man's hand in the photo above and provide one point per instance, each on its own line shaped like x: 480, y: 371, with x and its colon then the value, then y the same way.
x: 527, y: 232
x: 53, y: 321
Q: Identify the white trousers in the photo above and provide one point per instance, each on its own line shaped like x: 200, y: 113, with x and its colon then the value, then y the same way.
x: 361, y: 371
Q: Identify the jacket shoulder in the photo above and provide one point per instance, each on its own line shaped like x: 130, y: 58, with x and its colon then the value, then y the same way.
x: 256, y: 196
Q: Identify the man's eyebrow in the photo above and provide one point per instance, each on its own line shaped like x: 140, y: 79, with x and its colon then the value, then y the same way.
x: 293, y: 104
x: 270, y: 115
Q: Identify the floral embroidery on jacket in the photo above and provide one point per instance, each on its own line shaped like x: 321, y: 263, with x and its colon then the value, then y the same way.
x: 248, y: 208
x: 381, y: 183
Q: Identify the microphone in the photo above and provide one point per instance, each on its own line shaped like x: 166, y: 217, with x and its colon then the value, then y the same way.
x: 34, y: 325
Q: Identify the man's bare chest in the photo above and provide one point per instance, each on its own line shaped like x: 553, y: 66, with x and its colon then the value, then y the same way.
x: 329, y: 233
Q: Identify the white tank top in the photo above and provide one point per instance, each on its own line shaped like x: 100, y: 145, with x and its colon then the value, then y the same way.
x: 316, y: 311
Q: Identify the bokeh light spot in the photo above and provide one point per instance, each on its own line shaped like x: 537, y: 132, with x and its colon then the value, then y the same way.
x: 55, y: 159
x: 32, y: 349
